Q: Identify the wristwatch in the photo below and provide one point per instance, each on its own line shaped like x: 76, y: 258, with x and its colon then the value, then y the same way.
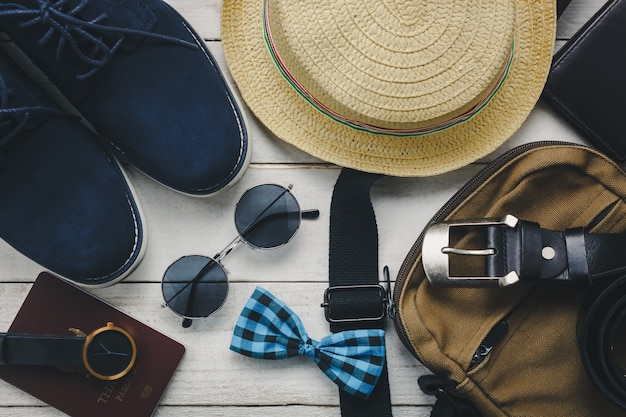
x: 107, y: 353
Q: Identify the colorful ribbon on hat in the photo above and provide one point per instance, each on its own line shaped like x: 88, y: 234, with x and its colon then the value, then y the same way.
x: 268, y: 329
x: 317, y: 104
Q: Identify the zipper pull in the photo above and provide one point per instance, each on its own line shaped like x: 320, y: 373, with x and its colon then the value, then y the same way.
x: 494, y: 336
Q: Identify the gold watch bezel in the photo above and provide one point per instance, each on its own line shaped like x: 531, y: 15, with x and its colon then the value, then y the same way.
x: 109, y: 326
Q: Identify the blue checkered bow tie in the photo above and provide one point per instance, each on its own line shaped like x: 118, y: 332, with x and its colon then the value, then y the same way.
x: 268, y: 329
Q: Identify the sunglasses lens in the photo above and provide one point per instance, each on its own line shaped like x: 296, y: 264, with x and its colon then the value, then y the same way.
x: 195, y: 286
x: 267, y: 216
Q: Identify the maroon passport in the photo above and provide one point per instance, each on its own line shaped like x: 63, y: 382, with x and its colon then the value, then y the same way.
x: 51, y: 307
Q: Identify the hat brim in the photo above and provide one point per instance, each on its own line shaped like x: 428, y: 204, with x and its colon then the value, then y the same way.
x: 282, y: 110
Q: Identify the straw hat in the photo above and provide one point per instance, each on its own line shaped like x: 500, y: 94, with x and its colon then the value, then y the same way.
x: 397, y: 87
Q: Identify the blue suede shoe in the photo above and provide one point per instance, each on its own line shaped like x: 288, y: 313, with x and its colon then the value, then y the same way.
x: 138, y: 72
x: 65, y: 201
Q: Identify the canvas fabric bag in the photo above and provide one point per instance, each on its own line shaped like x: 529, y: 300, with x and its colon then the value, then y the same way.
x: 534, y: 367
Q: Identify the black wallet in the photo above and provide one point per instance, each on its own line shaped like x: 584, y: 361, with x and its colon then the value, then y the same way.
x: 587, y: 81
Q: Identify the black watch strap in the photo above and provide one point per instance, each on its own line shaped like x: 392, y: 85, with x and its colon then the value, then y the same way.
x: 43, y: 350
x: 354, y: 299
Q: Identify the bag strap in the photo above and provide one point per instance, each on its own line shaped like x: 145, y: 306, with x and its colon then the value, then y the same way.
x: 448, y: 404
x: 354, y: 298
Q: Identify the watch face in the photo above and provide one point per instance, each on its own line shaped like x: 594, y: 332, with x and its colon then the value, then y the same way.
x: 109, y: 353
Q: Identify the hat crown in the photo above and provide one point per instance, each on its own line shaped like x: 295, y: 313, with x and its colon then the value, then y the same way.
x: 408, y: 14
x: 393, y: 65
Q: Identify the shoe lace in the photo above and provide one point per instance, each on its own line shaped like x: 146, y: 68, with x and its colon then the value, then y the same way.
x: 75, y: 31
x: 14, y: 119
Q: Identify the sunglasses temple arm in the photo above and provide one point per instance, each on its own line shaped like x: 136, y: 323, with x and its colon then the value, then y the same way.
x: 306, y: 214
x: 194, y: 282
x: 192, y: 294
x: 310, y: 214
x: 260, y: 215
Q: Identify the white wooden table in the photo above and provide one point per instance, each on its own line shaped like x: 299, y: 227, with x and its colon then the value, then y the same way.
x: 211, y: 379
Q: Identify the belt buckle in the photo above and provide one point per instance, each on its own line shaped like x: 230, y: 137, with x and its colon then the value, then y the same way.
x: 436, y: 248
x: 366, y: 287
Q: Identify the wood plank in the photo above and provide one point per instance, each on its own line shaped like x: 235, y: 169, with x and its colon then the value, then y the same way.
x: 212, y: 380
x: 212, y: 375
x: 178, y: 225
x: 233, y: 411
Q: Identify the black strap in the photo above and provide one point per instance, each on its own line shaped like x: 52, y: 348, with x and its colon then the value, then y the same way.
x: 354, y: 298
x: 602, y: 322
x: 43, y: 350
x: 538, y: 254
x: 448, y: 404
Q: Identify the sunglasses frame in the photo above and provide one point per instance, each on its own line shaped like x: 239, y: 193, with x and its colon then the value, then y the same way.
x: 215, y: 261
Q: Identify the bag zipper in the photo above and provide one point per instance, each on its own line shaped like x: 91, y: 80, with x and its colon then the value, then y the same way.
x: 447, y: 208
x: 496, y: 334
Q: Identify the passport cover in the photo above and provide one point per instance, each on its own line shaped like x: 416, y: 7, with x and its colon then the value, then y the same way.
x: 54, y: 305
x: 587, y: 81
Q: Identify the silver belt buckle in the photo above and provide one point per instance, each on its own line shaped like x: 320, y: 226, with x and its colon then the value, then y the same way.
x: 436, y: 248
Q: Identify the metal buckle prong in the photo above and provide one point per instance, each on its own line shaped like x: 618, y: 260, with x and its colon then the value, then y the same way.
x: 471, y: 252
x: 436, y: 248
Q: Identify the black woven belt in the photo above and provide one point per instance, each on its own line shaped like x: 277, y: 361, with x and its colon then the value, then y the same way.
x: 354, y: 298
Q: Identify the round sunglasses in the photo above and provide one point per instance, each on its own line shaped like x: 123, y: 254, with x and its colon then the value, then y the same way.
x: 266, y: 217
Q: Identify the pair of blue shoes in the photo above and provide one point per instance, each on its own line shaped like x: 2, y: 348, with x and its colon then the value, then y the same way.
x: 147, y: 84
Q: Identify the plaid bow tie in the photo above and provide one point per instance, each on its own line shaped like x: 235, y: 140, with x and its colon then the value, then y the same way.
x: 268, y: 329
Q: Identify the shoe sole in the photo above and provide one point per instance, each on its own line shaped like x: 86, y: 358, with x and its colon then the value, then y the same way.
x: 144, y: 238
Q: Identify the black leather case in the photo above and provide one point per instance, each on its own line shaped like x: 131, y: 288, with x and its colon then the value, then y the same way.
x: 587, y: 82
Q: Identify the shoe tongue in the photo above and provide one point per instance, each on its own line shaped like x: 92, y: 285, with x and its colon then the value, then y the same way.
x: 125, y: 14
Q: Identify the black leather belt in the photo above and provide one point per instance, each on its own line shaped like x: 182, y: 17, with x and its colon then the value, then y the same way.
x: 601, y: 324
x: 515, y: 250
